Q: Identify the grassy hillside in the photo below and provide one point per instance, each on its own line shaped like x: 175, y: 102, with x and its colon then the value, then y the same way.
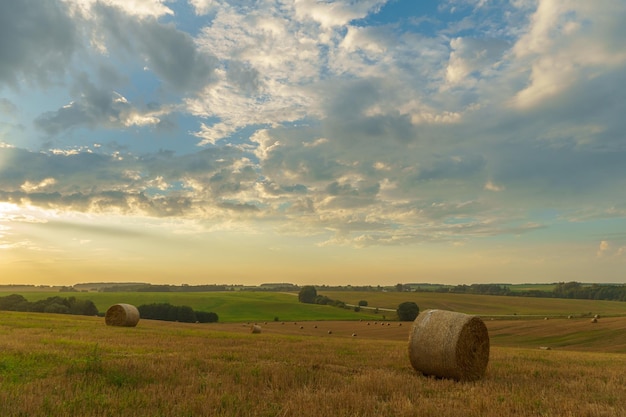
x: 230, y: 306
x: 54, y: 365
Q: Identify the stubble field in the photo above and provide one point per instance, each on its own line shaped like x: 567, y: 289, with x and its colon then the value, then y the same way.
x: 58, y: 365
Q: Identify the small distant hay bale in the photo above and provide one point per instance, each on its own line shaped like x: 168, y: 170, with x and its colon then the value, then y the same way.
x: 546, y: 318
x: 124, y: 315
x: 452, y: 345
x: 597, y: 316
x: 545, y: 348
x: 255, y: 328
x: 353, y: 334
x: 594, y: 320
x: 569, y: 317
x: 330, y: 332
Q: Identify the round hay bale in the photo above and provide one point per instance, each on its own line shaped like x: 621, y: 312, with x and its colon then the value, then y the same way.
x: 597, y: 316
x: 255, y: 328
x: 594, y: 320
x: 124, y: 315
x: 452, y: 345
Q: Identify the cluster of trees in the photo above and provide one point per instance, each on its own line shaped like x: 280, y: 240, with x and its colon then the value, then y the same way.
x: 487, y: 289
x: 308, y: 294
x: 407, y: 311
x: 577, y: 290
x: 61, y: 305
x: 570, y: 289
x: 169, y: 312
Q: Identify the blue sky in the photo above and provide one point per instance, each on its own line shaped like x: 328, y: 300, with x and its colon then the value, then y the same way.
x: 337, y: 142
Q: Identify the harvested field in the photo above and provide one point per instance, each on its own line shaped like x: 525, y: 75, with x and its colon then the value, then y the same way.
x: 388, y: 330
x: 57, y: 365
x: 608, y: 335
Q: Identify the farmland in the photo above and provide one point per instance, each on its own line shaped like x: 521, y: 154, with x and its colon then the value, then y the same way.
x: 238, y: 306
x: 53, y: 365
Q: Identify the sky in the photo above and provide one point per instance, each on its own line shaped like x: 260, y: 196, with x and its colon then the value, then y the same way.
x: 363, y: 142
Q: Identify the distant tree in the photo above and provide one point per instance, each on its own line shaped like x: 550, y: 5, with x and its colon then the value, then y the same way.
x: 56, y: 308
x: 307, y: 294
x: 322, y: 299
x: 362, y: 303
x: 14, y: 302
x: 399, y: 287
x: 408, y: 311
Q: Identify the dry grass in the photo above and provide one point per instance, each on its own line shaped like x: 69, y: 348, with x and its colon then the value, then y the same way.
x: 76, y: 366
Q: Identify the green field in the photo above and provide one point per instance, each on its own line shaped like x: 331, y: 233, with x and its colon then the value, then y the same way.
x: 231, y: 306
x: 243, y: 306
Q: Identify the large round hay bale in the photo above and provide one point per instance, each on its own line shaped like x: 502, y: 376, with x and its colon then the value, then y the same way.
x: 255, y: 328
x: 125, y: 315
x: 452, y: 345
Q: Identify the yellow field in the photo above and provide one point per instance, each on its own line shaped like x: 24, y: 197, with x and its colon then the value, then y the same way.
x: 57, y: 365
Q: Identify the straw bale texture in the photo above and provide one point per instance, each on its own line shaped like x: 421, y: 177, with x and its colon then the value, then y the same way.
x: 255, y: 328
x: 125, y: 315
x: 452, y: 345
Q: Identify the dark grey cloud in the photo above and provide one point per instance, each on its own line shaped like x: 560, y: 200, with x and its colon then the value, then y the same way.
x: 350, y: 120
x: 157, y: 185
x: 37, y: 40
x: 172, y: 54
x: 92, y: 107
x: 244, y: 76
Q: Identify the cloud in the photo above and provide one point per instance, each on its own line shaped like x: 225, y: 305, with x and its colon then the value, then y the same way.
x: 171, y: 53
x: 94, y: 107
x: 603, y: 248
x: 568, y: 42
x: 322, y: 118
x: 335, y: 13
x: 37, y: 41
x: 490, y: 186
x: 473, y: 56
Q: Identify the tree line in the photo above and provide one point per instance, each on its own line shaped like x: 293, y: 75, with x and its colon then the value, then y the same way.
x: 59, y: 305
x: 572, y: 289
x: 169, y: 312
